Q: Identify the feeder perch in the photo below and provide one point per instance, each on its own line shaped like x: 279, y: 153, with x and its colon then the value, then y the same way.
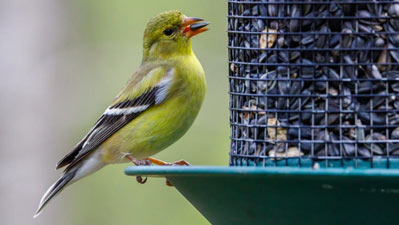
x: 314, y: 117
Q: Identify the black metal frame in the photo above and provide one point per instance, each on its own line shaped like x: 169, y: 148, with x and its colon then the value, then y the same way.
x: 314, y: 82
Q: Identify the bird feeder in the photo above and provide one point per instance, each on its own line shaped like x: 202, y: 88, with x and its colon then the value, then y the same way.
x: 314, y: 116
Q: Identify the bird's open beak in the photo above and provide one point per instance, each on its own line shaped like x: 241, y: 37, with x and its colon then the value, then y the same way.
x: 193, y: 26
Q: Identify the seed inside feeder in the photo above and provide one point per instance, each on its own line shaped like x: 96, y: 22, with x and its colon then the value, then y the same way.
x: 319, y: 77
x: 268, y: 39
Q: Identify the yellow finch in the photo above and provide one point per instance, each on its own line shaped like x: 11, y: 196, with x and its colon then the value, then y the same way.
x: 157, y: 106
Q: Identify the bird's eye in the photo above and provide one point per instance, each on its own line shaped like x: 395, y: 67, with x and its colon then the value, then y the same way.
x: 168, y: 32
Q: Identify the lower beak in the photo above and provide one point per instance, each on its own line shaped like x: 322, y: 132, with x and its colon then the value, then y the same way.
x: 193, y: 26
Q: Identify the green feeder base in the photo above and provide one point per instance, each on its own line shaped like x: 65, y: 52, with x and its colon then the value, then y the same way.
x: 285, y: 195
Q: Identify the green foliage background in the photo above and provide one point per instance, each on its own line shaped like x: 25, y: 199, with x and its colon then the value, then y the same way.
x: 108, y: 38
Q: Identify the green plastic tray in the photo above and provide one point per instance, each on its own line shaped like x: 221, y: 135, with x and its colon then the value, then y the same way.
x: 285, y: 195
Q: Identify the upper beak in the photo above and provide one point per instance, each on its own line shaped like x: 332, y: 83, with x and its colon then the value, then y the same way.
x: 193, y: 26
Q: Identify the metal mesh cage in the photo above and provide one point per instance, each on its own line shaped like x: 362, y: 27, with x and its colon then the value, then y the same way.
x: 314, y: 83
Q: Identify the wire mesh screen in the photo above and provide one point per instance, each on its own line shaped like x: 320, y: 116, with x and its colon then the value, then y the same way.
x: 314, y: 83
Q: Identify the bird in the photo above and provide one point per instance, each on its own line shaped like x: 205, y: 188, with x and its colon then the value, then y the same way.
x: 155, y: 108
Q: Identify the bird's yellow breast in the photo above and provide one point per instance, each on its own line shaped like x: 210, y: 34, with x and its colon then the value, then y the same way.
x: 163, y: 124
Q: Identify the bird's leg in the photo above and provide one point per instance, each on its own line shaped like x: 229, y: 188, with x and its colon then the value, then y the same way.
x: 163, y: 163
x: 137, y: 162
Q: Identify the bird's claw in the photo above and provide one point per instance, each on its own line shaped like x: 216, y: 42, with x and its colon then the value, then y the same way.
x: 140, y: 180
x: 168, y: 183
x: 181, y: 162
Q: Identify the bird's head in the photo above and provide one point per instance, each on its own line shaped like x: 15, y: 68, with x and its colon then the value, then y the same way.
x: 169, y: 34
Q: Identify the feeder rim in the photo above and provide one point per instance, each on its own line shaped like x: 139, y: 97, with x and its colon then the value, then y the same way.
x: 167, y: 171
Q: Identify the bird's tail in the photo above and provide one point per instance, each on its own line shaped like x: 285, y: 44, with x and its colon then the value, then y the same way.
x: 72, y: 173
x: 58, y: 186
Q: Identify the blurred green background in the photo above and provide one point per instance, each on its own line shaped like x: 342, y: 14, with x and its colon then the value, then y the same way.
x: 69, y: 59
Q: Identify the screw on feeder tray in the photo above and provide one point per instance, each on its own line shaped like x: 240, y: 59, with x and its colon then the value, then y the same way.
x: 314, y: 81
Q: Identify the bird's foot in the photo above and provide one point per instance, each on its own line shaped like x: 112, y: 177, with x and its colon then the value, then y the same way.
x: 181, y: 162
x: 163, y: 163
x: 138, y: 162
x: 158, y: 162
x: 149, y: 161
